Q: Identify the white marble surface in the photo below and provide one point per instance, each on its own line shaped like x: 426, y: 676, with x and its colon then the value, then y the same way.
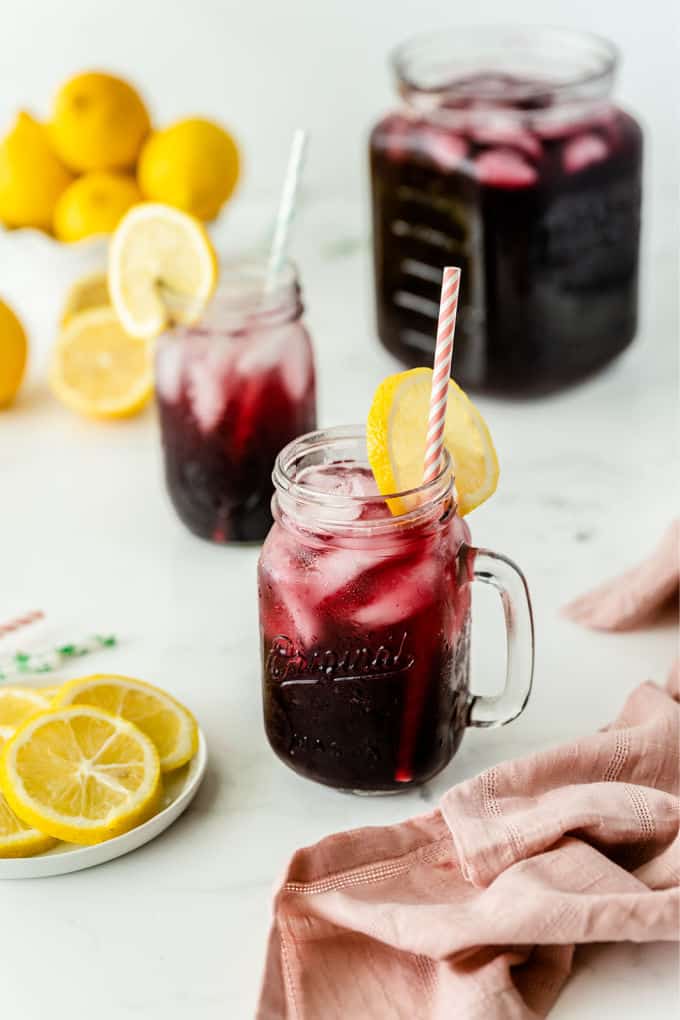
x: 178, y: 928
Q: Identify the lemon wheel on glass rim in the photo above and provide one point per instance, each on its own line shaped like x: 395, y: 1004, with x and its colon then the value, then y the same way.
x: 396, y: 431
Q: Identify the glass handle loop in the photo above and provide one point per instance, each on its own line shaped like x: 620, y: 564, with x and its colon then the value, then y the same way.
x: 508, y: 580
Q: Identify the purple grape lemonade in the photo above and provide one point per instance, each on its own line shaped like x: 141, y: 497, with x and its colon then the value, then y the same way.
x: 365, y: 621
x: 231, y: 392
x: 509, y: 160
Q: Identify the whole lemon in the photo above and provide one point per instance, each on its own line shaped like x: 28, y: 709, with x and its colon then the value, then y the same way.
x: 99, y: 122
x: 94, y: 204
x: 13, y: 349
x: 193, y: 165
x: 31, y: 176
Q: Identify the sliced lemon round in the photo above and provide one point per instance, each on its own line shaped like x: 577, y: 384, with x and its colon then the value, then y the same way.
x: 49, y: 692
x: 397, y: 428
x: 16, y: 838
x: 80, y: 774
x: 18, y: 704
x: 169, y: 724
x: 98, y: 369
x: 162, y: 269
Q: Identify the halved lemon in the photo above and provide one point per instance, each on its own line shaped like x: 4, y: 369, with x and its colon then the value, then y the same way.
x: 396, y: 430
x: 162, y: 269
x: 80, y: 774
x: 169, y: 724
x: 98, y: 369
x: 87, y: 292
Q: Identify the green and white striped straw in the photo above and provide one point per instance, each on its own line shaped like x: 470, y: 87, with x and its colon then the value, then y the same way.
x: 22, y: 664
x: 287, y: 207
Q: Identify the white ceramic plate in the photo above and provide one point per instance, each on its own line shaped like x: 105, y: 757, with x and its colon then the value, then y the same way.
x: 180, y: 790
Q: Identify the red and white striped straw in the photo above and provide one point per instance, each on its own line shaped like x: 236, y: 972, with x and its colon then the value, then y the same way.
x: 20, y: 621
x: 441, y: 372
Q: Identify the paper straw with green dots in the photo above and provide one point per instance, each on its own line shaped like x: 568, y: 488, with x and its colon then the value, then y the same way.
x: 23, y: 664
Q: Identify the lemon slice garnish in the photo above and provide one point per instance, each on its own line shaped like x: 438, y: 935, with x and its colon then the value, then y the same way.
x: 162, y: 269
x: 396, y: 430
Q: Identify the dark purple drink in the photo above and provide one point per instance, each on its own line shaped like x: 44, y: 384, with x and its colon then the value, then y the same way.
x: 532, y: 184
x: 365, y: 622
x: 231, y: 392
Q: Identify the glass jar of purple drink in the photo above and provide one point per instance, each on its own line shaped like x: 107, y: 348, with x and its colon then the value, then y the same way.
x: 365, y: 622
x: 508, y: 159
x: 231, y: 391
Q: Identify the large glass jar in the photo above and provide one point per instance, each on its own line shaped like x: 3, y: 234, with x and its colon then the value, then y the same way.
x: 232, y: 390
x: 508, y: 159
x: 365, y: 622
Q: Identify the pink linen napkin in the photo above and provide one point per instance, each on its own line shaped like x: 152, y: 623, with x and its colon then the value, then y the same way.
x: 637, y: 596
x: 472, y: 912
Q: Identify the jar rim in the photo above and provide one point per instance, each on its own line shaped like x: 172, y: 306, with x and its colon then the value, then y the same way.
x: 419, y: 500
x: 448, y: 54
x: 243, y: 295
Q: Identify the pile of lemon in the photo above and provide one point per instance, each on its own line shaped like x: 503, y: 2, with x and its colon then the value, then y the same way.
x: 85, y: 762
x: 77, y: 174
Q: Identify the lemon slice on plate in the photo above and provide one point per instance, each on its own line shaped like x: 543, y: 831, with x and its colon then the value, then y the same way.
x: 165, y: 721
x: 80, y: 774
x: 48, y: 692
x: 98, y: 369
x: 16, y: 838
x: 17, y: 704
x: 395, y: 435
x: 162, y: 269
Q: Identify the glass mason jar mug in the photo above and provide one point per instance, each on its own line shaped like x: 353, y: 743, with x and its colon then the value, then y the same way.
x: 508, y: 159
x: 365, y: 622
x: 231, y: 391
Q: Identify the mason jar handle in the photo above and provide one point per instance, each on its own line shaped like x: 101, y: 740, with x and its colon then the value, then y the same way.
x: 508, y: 580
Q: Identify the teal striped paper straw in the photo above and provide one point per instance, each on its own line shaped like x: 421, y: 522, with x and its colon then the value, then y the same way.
x: 22, y: 664
x: 287, y: 207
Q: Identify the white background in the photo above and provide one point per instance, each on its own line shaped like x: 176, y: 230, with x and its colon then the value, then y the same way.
x: 267, y: 66
x: 178, y: 929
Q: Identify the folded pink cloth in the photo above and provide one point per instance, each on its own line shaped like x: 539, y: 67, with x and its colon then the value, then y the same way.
x: 473, y: 911
x: 638, y: 595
